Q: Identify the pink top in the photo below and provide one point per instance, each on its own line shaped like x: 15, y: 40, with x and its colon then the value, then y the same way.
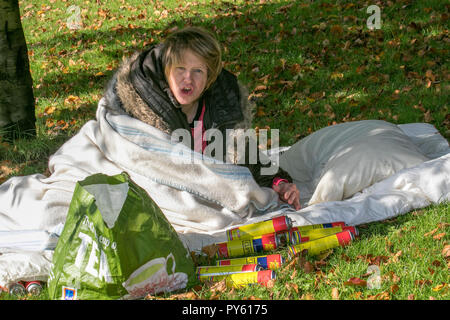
x: 198, y: 132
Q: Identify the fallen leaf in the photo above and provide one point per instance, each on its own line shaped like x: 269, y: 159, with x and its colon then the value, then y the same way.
x: 436, y: 263
x: 218, y: 287
x: 439, y: 236
x: 184, y: 296
x: 252, y: 298
x: 194, y: 258
x: 355, y: 282
x: 290, y: 285
x: 421, y: 283
x: 394, y: 277
x: 427, y: 116
x: 345, y: 257
x: 429, y: 74
x: 210, y: 250
x: 260, y: 88
x: 370, y: 259
x: 295, y: 69
x: 394, y: 258
x: 439, y: 287
x: 293, y: 274
x: 72, y: 99
x: 307, y: 267
x: 337, y: 75
x: 380, y: 296
x: 446, y: 251
x: 49, y: 123
x: 431, y: 232
x: 260, y: 112
x: 394, y: 288
x: 320, y: 263
x: 336, y: 30
x: 49, y: 110
x: 270, y: 284
x: 307, y: 296
x: 291, y: 265
x: 360, y: 69
x: 411, y: 296
x: 335, y: 294
x: 357, y: 295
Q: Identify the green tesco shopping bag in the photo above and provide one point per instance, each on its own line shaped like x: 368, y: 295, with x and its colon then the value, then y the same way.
x: 117, y: 243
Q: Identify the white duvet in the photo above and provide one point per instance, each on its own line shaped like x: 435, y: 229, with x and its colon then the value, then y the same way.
x: 358, y: 172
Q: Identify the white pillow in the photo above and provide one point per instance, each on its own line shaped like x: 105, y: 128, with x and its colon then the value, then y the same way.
x: 338, y: 161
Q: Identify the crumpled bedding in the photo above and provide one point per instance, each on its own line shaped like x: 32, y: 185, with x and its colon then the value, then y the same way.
x: 201, y: 201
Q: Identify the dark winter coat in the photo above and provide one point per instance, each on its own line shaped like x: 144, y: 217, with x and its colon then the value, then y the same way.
x: 139, y: 87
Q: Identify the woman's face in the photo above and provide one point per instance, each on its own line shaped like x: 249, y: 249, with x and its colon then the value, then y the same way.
x: 187, y: 80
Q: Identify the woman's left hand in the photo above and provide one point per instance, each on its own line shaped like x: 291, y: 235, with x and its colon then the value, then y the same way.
x: 289, y: 193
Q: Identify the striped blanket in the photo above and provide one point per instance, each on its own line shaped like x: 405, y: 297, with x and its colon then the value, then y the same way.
x: 201, y: 199
x: 188, y: 188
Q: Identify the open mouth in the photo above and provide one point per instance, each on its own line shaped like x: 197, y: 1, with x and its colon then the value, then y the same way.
x: 186, y: 90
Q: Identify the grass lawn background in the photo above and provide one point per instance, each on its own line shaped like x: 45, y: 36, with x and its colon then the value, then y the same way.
x: 307, y: 64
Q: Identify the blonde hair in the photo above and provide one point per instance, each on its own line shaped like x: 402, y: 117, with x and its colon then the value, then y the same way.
x: 200, y: 42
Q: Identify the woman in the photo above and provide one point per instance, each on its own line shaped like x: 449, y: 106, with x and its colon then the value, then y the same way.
x: 180, y: 84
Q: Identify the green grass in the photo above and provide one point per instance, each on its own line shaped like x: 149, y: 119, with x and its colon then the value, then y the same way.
x: 319, y: 64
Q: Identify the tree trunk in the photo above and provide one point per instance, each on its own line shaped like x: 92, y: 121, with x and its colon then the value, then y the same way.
x: 17, y: 108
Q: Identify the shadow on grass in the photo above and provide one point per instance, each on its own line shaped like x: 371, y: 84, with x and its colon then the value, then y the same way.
x: 265, y: 42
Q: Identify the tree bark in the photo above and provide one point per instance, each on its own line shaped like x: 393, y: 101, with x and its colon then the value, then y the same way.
x: 17, y: 106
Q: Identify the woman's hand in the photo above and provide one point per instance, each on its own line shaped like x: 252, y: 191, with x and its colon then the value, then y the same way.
x: 289, y: 193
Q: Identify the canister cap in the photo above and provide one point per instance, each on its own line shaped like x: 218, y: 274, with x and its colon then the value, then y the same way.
x: 265, y: 275
x: 282, y: 223
x: 352, y: 229
x: 344, y: 237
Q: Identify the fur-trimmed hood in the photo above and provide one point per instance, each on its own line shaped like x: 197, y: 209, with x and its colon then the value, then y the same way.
x: 227, y: 106
x: 226, y: 100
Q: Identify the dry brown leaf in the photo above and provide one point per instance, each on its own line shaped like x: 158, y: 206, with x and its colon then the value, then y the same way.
x: 394, y: 288
x: 431, y: 232
x: 307, y: 267
x: 210, y: 250
x: 355, y: 282
x: 184, y: 296
x: 49, y: 110
x: 307, y: 296
x: 326, y: 254
x: 219, y: 287
x: 270, y: 284
x: 395, y: 278
x: 260, y: 112
x: 421, y: 283
x: 260, y: 88
x: 394, y: 258
x: 335, y: 293
x: 439, y: 287
x: 71, y: 99
x: 290, y: 285
x: 446, y: 251
x: 439, y: 236
x: 357, y: 295
x: 252, y: 298
x: 293, y: 274
x: 336, y: 30
x: 380, y: 296
x: 291, y: 265
x: 436, y: 263
x: 319, y: 264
